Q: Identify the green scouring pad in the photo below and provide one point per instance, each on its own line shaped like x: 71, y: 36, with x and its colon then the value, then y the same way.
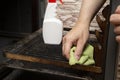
x: 86, y: 57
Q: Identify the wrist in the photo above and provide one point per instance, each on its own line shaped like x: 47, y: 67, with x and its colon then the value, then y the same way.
x: 82, y: 24
x: 84, y: 19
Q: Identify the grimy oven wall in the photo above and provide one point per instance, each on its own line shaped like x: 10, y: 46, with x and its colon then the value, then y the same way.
x: 19, y: 16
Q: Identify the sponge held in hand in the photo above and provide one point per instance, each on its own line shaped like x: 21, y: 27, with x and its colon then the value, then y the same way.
x: 86, y: 57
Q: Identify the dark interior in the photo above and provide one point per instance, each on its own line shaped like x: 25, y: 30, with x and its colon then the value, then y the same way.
x: 19, y: 17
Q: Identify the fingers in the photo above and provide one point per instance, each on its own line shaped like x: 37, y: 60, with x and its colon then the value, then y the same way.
x: 67, y: 44
x: 77, y: 36
x: 117, y: 29
x: 118, y: 38
x: 117, y: 11
x: 115, y: 19
x: 79, y: 49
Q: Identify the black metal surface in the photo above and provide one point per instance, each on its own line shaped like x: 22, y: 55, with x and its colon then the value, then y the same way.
x: 33, y: 46
x: 5, y: 41
x: 50, y: 69
x: 27, y: 75
x: 37, y: 48
x: 39, y: 71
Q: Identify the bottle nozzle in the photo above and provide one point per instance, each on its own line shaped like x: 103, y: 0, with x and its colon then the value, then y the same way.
x: 54, y: 1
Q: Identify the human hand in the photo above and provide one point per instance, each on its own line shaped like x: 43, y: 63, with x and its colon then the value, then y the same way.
x: 115, y: 20
x: 78, y: 37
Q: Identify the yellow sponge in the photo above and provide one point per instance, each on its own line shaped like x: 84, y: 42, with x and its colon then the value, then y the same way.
x: 86, y: 58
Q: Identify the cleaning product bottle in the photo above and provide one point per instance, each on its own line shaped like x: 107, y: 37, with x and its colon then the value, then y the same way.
x: 52, y: 27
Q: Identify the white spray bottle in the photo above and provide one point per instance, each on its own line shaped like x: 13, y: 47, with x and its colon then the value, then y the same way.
x: 52, y: 27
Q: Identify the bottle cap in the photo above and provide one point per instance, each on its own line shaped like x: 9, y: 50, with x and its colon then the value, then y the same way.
x: 52, y: 1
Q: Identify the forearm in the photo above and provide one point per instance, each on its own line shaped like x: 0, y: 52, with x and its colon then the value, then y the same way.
x: 88, y: 10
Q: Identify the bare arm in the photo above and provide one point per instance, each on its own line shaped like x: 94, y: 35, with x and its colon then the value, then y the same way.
x: 89, y: 8
x: 79, y: 34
